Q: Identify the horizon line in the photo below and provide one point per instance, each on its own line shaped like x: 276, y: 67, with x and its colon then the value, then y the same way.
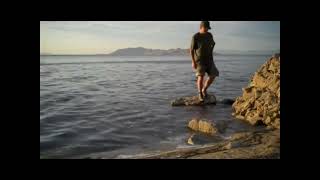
x: 242, y: 51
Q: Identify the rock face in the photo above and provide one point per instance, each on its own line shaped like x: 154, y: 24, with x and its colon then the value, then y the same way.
x: 203, y: 126
x: 194, y: 101
x: 260, y: 101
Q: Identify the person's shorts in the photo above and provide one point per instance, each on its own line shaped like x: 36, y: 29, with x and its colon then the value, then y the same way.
x: 210, y: 69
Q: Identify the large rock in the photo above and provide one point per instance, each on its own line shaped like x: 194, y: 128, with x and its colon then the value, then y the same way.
x: 260, y: 101
x: 203, y: 126
x: 194, y: 101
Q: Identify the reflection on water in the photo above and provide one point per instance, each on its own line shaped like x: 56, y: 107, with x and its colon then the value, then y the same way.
x: 121, y: 105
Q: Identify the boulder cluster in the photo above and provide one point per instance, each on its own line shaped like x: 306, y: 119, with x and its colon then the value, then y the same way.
x: 260, y: 101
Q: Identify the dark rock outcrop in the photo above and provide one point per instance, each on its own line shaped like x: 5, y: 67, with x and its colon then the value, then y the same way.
x: 227, y: 101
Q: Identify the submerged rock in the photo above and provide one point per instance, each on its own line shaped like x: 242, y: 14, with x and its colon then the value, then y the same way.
x: 260, y: 101
x: 194, y: 101
x: 203, y: 126
x: 227, y: 101
x: 203, y: 138
x: 190, y: 142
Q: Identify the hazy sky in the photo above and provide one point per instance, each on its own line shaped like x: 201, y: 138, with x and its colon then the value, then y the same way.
x: 90, y: 37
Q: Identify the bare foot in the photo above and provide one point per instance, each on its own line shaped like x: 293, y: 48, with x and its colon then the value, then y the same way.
x: 204, y: 93
x: 201, y: 97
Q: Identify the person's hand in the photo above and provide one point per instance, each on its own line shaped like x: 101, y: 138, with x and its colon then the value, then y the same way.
x: 194, y: 65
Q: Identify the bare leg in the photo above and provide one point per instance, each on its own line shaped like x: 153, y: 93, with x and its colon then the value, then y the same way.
x: 200, y: 83
x: 207, y: 84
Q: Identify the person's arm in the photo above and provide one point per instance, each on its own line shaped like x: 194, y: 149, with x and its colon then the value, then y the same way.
x: 192, y: 49
x: 194, y: 64
x: 212, y: 43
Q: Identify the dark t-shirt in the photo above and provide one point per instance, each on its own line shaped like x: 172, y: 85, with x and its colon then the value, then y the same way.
x: 203, y: 45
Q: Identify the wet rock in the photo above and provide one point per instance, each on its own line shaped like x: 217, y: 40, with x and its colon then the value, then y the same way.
x: 208, y: 129
x: 203, y: 126
x: 190, y: 142
x: 203, y: 139
x: 194, y: 101
x: 260, y: 101
x: 222, y: 125
x: 227, y: 101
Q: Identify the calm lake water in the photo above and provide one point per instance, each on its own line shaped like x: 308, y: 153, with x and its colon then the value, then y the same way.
x: 120, y: 106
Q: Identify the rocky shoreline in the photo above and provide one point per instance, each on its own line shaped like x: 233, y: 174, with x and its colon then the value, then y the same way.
x: 259, y: 105
x: 263, y: 144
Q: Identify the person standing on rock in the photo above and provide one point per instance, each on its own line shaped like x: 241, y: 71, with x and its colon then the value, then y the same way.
x: 201, y: 51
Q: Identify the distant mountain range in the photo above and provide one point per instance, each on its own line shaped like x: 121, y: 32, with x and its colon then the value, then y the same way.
x: 249, y: 52
x: 140, y: 51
